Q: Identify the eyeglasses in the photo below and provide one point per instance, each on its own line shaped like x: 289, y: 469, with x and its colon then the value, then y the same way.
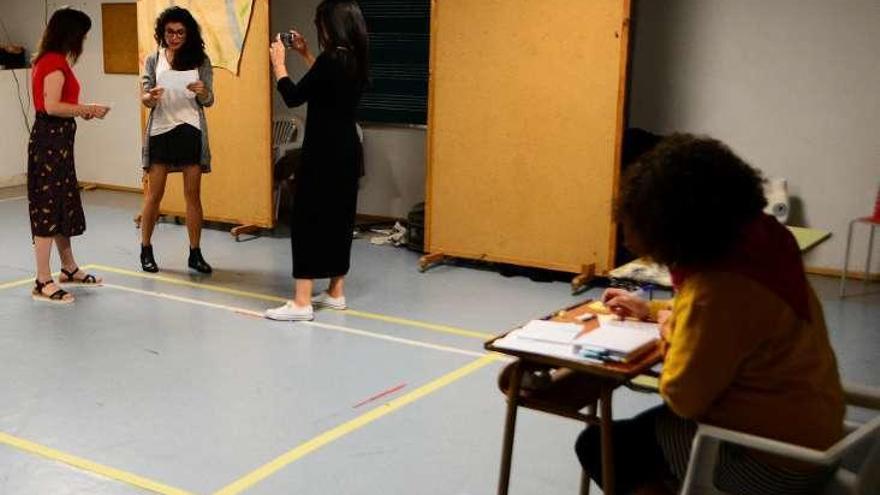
x: 175, y: 34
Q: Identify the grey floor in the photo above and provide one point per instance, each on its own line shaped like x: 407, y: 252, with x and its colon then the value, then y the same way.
x: 176, y: 382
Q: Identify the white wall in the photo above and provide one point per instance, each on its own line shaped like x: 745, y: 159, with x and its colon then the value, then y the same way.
x: 790, y: 85
x: 394, y: 156
x: 108, y: 151
x: 16, y: 17
x: 13, y: 131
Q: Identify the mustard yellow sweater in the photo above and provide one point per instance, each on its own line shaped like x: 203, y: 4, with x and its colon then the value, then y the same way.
x: 740, y: 358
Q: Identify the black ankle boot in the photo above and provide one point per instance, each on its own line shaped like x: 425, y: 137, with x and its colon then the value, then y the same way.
x: 197, y: 263
x: 148, y: 262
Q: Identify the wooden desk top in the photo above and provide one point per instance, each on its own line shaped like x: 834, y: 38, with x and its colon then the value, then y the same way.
x: 616, y: 371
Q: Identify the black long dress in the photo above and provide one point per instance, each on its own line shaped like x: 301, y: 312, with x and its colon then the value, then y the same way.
x: 326, y: 185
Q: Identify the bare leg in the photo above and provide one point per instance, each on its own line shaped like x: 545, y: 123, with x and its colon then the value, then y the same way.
x: 337, y: 287
x: 302, y: 291
x: 65, y: 251
x: 42, y: 252
x: 192, y: 192
x: 152, y: 198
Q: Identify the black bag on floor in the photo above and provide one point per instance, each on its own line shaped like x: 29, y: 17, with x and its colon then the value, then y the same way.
x: 416, y: 228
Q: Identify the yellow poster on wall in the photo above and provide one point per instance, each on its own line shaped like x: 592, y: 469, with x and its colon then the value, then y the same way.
x: 224, y: 27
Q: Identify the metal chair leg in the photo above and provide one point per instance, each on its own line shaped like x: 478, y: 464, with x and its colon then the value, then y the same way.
x: 607, y: 443
x: 846, y: 259
x: 585, y: 483
x: 585, y: 476
x: 509, y: 428
x: 868, y: 261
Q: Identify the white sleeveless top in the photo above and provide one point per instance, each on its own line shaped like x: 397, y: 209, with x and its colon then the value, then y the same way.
x: 176, y: 106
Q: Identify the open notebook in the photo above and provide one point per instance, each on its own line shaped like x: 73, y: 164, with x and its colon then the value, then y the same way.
x: 613, y: 340
x: 620, y: 340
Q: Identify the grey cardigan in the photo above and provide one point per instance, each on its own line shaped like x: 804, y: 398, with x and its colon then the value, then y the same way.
x: 148, y: 82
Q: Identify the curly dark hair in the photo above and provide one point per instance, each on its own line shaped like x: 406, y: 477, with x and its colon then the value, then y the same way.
x: 192, y: 54
x: 685, y: 203
x: 65, y: 33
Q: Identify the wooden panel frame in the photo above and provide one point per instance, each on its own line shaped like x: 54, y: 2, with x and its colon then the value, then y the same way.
x: 119, y: 33
x: 515, y: 180
x: 239, y: 188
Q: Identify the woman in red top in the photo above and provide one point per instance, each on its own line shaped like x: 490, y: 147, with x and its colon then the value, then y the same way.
x: 56, y: 211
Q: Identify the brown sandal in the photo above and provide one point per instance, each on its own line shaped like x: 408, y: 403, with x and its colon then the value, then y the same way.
x: 57, y: 297
x: 68, y: 278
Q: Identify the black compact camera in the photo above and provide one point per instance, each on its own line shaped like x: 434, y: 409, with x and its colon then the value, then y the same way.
x: 287, y: 39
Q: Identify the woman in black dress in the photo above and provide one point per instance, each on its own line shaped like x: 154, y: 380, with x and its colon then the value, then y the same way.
x: 325, y: 199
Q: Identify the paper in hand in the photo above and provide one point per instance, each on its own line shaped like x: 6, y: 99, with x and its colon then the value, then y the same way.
x: 178, y: 80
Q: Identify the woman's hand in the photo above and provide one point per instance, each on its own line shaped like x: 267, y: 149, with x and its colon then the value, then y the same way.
x: 299, y: 45
x: 92, y: 111
x: 278, y: 57
x: 151, y: 97
x: 625, y: 304
x: 199, y: 88
x: 99, y: 111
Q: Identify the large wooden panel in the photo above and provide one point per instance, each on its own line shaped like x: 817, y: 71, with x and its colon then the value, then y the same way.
x: 239, y: 188
x: 119, y: 33
x: 524, y: 127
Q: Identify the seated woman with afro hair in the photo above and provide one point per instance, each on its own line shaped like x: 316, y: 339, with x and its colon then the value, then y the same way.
x: 744, y: 340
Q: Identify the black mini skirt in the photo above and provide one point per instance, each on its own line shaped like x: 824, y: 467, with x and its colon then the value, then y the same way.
x: 177, y: 148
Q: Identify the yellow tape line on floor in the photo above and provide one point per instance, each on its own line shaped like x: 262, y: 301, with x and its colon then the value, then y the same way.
x: 30, y: 280
x: 339, y: 328
x: 92, y: 467
x: 265, y: 297
x: 340, y: 431
x: 17, y: 283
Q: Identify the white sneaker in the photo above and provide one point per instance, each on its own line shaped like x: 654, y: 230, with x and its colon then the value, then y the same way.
x: 290, y: 312
x: 323, y: 300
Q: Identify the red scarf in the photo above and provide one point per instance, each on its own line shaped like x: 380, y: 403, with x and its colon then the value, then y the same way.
x: 767, y: 254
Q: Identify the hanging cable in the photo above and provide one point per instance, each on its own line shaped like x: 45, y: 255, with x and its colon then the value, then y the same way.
x: 21, y: 104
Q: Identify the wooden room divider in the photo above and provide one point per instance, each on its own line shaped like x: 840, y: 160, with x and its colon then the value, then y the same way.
x: 525, y: 122
x: 239, y: 188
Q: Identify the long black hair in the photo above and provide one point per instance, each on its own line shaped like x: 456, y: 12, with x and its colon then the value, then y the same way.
x: 65, y: 34
x: 192, y: 54
x: 342, y: 28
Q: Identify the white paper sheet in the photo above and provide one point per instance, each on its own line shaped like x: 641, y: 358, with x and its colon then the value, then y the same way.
x: 549, y: 331
x: 177, y: 80
x: 619, y: 337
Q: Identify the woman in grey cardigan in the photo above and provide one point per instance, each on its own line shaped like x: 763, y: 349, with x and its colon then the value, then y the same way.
x: 177, y: 133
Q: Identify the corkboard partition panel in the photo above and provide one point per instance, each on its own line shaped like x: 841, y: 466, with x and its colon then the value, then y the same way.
x: 119, y: 32
x: 239, y: 188
x: 525, y: 121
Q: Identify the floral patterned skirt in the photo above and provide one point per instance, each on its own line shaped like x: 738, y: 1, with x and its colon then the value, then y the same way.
x: 53, y: 190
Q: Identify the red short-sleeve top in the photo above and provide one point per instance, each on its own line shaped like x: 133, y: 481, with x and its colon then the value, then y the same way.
x: 47, y: 64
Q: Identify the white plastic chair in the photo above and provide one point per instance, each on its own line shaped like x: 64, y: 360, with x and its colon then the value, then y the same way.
x: 864, y: 481
x: 287, y: 134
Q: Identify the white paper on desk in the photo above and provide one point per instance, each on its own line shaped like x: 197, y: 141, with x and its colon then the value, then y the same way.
x: 549, y: 338
x: 644, y: 326
x: 514, y: 343
x: 549, y: 331
x: 177, y: 81
x: 619, y: 337
x: 563, y: 351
